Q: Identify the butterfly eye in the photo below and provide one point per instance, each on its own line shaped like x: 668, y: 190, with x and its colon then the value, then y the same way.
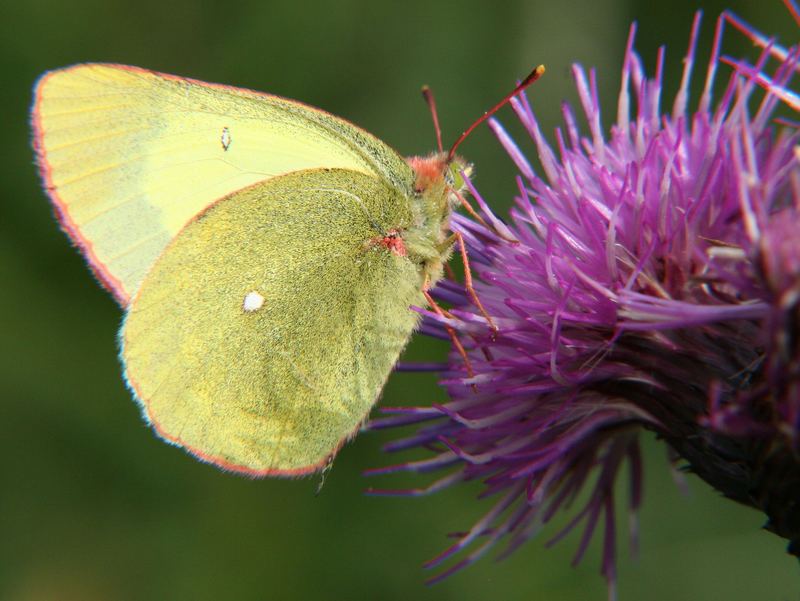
x: 456, y: 172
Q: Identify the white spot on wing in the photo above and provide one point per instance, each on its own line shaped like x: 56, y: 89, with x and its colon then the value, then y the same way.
x: 253, y: 301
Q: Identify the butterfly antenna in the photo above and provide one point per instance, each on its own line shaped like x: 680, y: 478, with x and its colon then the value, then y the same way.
x: 532, y: 76
x: 427, y: 94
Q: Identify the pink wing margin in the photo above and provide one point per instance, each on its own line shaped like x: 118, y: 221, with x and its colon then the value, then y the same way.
x: 109, y: 282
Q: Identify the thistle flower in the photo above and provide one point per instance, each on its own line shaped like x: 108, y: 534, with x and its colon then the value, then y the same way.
x: 648, y: 280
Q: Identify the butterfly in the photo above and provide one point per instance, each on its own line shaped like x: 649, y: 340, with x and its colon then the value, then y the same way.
x: 266, y: 254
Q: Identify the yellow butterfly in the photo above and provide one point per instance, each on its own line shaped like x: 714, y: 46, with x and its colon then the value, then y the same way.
x: 266, y: 254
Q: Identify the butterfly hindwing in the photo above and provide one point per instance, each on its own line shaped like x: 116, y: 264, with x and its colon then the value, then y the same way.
x: 266, y: 330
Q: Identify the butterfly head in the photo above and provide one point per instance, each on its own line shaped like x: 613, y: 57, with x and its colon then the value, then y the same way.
x: 439, y: 172
x: 446, y: 171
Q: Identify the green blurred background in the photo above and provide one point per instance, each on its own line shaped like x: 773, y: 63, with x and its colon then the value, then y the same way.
x: 93, y: 506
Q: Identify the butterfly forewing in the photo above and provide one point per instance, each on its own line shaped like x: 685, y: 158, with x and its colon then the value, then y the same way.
x: 129, y: 156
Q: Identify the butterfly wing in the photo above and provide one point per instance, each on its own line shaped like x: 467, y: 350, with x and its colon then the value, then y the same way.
x: 129, y: 156
x: 264, y: 333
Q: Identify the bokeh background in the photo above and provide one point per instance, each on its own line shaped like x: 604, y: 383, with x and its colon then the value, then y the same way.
x: 93, y: 506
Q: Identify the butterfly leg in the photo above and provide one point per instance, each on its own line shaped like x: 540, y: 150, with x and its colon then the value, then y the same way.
x: 476, y: 216
x: 456, y: 237
x: 450, y: 331
x: 468, y: 208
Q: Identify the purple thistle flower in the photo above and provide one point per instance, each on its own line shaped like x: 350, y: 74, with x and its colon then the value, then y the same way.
x: 649, y: 280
